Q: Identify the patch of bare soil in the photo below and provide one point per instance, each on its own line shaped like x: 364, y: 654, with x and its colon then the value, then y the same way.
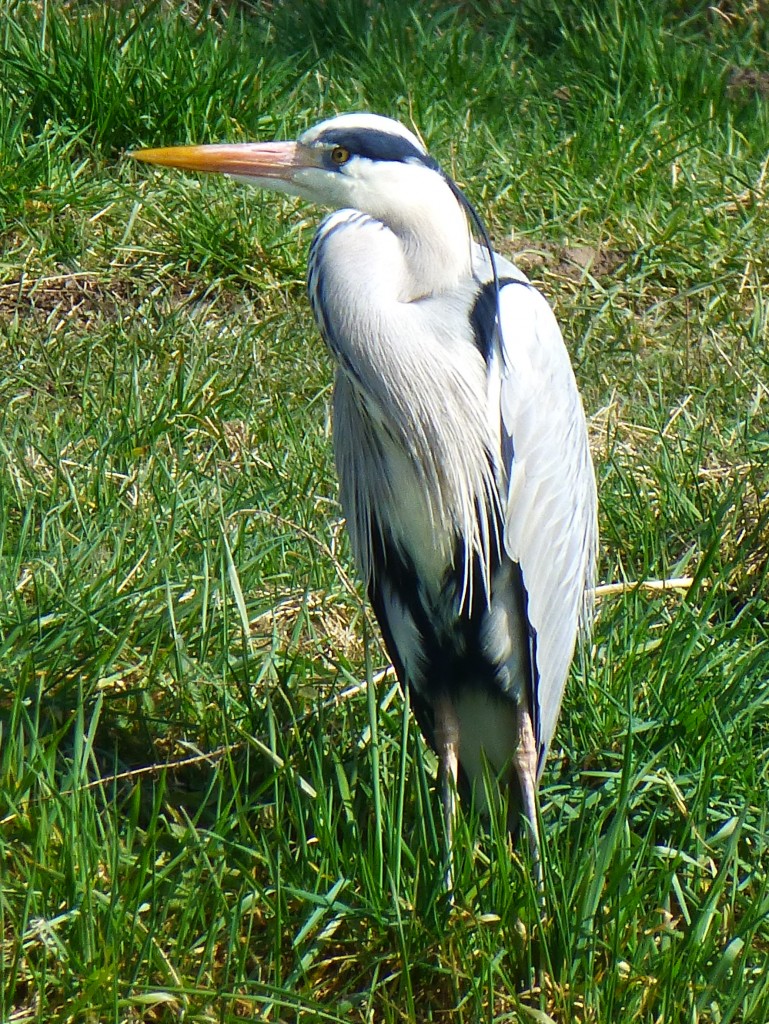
x: 65, y: 295
x: 744, y: 81
x: 83, y: 297
x: 572, y: 262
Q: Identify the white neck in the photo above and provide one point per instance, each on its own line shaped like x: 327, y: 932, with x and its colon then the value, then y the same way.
x: 420, y: 210
x: 435, y: 239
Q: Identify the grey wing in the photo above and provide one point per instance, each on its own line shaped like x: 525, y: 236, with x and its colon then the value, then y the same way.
x: 550, y: 525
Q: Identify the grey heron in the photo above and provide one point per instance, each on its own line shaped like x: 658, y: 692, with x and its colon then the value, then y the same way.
x: 460, y: 443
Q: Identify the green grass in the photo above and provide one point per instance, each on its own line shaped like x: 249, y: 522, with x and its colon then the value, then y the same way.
x: 202, y: 816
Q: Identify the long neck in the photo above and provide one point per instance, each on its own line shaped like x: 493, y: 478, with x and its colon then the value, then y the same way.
x: 433, y: 233
x: 436, y: 246
x: 366, y: 279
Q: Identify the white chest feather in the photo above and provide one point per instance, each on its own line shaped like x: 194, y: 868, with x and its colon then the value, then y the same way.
x: 425, y: 536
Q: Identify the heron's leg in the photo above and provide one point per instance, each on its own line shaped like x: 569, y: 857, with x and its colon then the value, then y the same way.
x: 525, y: 767
x: 447, y: 742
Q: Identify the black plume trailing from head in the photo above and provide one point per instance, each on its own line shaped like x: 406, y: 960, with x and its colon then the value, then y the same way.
x: 475, y: 219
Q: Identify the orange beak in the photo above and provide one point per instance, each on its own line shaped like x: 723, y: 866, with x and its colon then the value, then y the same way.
x: 267, y: 162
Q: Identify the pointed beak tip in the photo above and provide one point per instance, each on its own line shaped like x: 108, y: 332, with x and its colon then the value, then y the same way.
x: 273, y: 162
x: 145, y: 156
x: 171, y: 157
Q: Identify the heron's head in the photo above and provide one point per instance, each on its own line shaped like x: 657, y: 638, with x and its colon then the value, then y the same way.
x: 361, y: 161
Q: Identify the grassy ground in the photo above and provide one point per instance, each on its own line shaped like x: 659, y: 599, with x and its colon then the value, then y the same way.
x: 203, y: 816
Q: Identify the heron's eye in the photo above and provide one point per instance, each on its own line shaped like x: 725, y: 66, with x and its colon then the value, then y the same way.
x: 340, y: 155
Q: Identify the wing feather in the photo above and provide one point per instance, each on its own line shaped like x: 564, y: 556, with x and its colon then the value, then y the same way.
x: 550, y: 513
